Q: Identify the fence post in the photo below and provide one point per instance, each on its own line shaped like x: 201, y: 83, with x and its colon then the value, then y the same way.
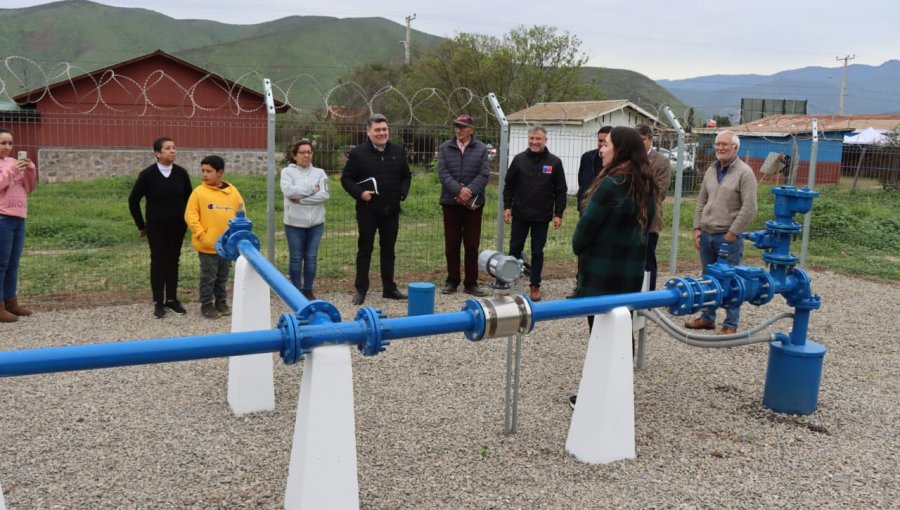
x: 811, y: 183
x: 270, y: 174
x: 679, y: 177
x: 502, y: 164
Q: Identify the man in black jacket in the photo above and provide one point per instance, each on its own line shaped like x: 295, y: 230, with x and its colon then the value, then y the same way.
x: 463, y: 171
x: 534, y: 194
x: 590, y: 166
x: 378, y: 177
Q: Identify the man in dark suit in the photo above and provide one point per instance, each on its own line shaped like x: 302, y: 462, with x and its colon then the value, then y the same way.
x: 662, y: 173
x: 378, y: 177
x: 590, y: 166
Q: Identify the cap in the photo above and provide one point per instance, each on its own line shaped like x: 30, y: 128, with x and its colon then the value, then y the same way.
x: 464, y: 121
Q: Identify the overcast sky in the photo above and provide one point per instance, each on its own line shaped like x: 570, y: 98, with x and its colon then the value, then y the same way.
x: 662, y: 39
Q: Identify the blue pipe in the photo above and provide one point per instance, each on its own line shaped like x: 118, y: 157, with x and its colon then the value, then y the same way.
x: 276, y: 280
x: 580, y: 307
x: 161, y: 350
x: 423, y: 325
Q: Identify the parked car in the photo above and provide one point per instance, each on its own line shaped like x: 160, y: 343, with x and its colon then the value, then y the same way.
x: 672, y: 156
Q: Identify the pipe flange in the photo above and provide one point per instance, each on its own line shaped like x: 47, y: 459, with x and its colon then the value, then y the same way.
x: 802, y: 296
x: 375, y: 341
x: 313, y: 307
x: 474, y: 307
x: 227, y: 245
x: 292, y: 349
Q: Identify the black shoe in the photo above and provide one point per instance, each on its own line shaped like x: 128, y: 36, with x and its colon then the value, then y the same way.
x: 209, y: 311
x: 475, y: 290
x: 393, y: 294
x: 359, y: 298
x: 175, y: 306
x: 449, y: 288
x: 308, y: 294
x: 526, y: 268
x: 572, y: 401
x: 222, y: 307
x: 159, y: 310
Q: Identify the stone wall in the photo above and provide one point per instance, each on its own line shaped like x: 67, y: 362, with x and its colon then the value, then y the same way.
x: 65, y: 164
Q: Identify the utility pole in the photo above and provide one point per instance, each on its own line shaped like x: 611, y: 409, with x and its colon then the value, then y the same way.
x: 843, y: 78
x: 406, y: 42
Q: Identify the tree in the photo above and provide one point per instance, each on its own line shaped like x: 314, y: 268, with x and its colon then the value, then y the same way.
x: 722, y: 120
x: 524, y: 67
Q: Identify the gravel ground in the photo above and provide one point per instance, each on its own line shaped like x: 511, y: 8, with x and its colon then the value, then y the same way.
x: 430, y: 416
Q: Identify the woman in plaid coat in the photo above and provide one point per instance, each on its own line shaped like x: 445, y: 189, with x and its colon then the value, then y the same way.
x: 610, y: 239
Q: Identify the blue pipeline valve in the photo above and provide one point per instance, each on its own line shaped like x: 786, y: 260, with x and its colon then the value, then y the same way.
x: 239, y: 228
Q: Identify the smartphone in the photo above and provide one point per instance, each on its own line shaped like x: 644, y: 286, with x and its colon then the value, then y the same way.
x: 23, y: 155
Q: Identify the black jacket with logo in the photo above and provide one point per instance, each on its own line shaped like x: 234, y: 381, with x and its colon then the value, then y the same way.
x: 535, y: 186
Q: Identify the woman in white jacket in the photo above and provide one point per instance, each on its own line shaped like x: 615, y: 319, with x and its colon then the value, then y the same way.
x: 305, y: 190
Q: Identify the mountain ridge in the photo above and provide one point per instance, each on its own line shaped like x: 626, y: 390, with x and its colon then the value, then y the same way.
x: 89, y: 36
x: 870, y: 89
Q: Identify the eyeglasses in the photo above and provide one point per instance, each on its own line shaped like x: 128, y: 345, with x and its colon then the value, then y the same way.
x: 304, y: 152
x: 723, y: 144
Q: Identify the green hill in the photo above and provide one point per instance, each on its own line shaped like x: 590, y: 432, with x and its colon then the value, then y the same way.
x: 637, y: 88
x: 304, y: 55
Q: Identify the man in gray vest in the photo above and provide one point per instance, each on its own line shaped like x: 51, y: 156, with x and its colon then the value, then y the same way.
x: 463, y: 171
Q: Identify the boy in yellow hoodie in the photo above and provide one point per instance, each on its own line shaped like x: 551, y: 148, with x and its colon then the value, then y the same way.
x: 212, y: 204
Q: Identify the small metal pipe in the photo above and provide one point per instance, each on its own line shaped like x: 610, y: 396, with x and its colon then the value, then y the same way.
x: 708, y: 341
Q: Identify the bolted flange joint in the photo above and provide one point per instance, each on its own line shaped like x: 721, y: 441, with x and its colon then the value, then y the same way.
x: 374, y: 342
x: 695, y: 293
x: 292, y: 349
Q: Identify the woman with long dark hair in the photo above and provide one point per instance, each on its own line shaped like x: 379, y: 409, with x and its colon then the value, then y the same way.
x: 610, y: 239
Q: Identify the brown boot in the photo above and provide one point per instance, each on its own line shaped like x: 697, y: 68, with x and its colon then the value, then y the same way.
x: 6, y: 316
x: 12, y: 306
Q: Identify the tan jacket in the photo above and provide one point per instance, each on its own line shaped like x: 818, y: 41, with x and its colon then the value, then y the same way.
x: 729, y: 206
x: 662, y: 174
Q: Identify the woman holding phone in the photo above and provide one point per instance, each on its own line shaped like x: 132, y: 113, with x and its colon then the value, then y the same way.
x: 18, y: 178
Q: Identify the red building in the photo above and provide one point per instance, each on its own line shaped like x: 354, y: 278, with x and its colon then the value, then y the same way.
x: 130, y: 104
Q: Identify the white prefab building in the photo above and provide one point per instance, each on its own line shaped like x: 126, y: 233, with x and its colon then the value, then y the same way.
x: 572, y: 128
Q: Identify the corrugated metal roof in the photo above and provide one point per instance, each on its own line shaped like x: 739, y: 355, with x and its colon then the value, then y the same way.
x: 784, y: 125
x: 576, y: 112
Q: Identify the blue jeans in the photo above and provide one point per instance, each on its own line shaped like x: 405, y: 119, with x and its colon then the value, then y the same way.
x: 12, y: 240
x: 709, y: 253
x: 303, y: 252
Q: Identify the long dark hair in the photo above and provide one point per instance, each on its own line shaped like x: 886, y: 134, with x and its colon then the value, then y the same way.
x: 629, y: 160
